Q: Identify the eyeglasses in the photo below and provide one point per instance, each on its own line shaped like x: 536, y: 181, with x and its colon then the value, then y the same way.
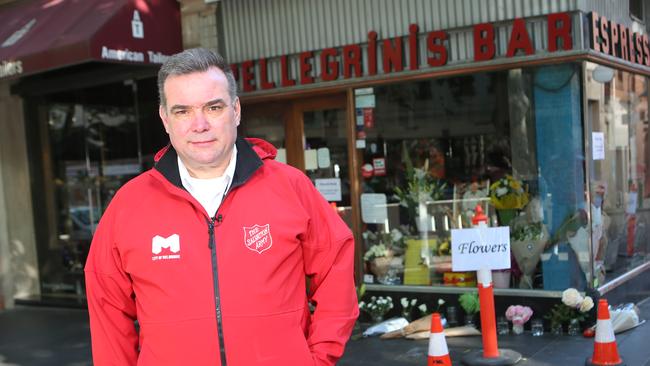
x: 211, y: 111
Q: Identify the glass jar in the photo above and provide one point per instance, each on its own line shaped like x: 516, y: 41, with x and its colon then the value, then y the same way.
x: 503, y: 328
x: 537, y: 327
x: 452, y: 316
x: 574, y: 327
x: 517, y: 328
x: 556, y: 328
x: 469, y: 320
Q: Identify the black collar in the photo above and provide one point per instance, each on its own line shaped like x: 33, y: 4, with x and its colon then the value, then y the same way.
x: 247, y: 163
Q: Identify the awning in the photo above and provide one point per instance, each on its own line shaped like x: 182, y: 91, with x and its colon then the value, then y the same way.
x: 41, y: 35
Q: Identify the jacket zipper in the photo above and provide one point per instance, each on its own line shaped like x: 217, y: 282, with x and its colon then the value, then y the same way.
x: 215, y: 283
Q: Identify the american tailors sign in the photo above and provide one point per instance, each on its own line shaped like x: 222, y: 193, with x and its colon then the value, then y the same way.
x: 397, y: 54
x: 129, y: 32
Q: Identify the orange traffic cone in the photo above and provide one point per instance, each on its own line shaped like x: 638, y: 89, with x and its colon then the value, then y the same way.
x: 438, y: 352
x: 605, y: 350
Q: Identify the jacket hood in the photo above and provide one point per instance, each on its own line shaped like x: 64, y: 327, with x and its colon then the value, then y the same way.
x: 264, y: 149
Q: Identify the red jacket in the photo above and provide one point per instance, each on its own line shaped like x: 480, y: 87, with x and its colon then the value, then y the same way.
x: 228, y: 290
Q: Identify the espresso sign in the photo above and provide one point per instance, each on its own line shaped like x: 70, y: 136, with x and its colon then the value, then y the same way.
x: 480, y: 248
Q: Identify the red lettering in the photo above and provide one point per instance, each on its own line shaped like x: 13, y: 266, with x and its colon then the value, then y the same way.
x: 622, y: 34
x: 372, y: 53
x: 264, y: 78
x: 613, y: 28
x: 330, y: 69
x: 436, y: 45
x: 248, y: 76
x: 284, y: 66
x: 352, y: 59
x: 413, y: 46
x: 604, y: 33
x: 562, y: 31
x: 595, y: 32
x: 638, y: 49
x: 519, y: 39
x: 483, y: 42
x: 646, y: 51
x: 235, y: 71
x: 305, y: 67
x: 392, y: 55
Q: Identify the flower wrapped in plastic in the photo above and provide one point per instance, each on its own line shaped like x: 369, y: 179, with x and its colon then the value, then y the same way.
x: 508, y: 193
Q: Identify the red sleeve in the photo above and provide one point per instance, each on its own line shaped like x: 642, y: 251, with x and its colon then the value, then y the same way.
x: 111, y: 302
x: 328, y: 249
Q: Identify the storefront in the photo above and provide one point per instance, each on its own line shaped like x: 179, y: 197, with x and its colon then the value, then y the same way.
x: 79, y: 104
x: 407, y: 115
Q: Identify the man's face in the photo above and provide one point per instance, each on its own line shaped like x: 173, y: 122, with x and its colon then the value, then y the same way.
x: 201, y: 120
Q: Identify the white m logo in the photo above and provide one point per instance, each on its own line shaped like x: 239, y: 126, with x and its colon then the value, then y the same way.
x: 172, y: 243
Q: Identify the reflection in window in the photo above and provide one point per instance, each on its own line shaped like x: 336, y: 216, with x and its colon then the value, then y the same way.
x: 510, y: 142
x: 617, y: 103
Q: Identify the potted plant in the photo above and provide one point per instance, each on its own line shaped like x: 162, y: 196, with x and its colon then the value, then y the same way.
x: 421, y: 188
x: 470, y: 303
x: 377, y: 307
x: 385, y: 254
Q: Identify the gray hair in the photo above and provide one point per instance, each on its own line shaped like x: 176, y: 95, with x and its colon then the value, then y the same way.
x: 194, y: 60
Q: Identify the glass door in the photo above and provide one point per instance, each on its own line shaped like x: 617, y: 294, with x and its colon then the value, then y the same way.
x: 94, y: 148
x: 325, y: 142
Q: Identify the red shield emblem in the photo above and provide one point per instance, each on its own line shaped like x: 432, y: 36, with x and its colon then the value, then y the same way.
x: 258, y: 238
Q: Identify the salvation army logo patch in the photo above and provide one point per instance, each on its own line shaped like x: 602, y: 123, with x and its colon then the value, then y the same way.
x: 258, y: 238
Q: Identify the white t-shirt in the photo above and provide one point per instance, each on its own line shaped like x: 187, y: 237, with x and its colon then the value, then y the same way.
x: 209, y: 192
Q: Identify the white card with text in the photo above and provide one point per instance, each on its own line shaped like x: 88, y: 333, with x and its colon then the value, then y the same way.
x: 480, y: 248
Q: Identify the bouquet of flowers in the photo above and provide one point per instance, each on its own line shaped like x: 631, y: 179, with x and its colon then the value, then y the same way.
x: 407, y: 307
x: 384, y: 244
x: 518, y: 315
x: 377, y: 307
x: 420, y: 187
x: 573, y: 306
x: 376, y: 251
x: 508, y: 193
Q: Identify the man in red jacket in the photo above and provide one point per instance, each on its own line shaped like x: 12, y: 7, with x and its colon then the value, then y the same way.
x: 209, y: 250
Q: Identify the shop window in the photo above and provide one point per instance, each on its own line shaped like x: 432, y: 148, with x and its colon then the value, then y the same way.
x: 510, y: 142
x: 96, y: 139
x: 636, y: 10
x: 620, y: 204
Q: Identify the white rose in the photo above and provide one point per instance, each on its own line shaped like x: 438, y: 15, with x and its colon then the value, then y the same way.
x: 423, y: 308
x: 396, y: 235
x: 441, y: 302
x: 404, y: 302
x: 571, y: 297
x: 413, y: 302
x: 586, y: 305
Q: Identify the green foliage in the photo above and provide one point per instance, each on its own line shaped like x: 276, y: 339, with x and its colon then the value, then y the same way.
x: 560, y: 314
x: 469, y: 302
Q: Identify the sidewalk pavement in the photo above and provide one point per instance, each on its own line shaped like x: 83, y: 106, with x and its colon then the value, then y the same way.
x: 547, y: 350
x: 35, y: 336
